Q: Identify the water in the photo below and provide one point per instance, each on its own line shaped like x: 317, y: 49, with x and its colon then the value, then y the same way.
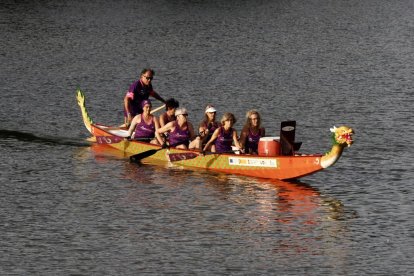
x: 69, y: 208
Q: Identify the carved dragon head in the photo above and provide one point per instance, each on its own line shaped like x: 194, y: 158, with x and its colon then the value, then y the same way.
x: 80, y: 97
x: 342, y: 135
x: 81, y: 102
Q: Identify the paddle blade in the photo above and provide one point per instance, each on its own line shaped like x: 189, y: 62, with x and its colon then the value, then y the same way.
x: 108, y: 139
x: 182, y: 156
x: 139, y: 156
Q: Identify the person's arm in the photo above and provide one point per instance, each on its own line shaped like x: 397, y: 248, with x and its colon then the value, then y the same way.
x: 191, y: 130
x: 162, y: 120
x: 157, y: 126
x: 195, y: 142
x: 162, y: 130
x: 243, y: 136
x: 235, y: 141
x: 212, y: 139
x: 127, y: 100
x: 157, y: 96
x: 263, y: 132
x: 135, y: 121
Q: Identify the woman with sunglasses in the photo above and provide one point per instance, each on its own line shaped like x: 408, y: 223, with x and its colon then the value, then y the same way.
x: 225, y: 136
x: 180, y: 132
x: 208, y: 125
x: 251, y: 132
x: 139, y: 91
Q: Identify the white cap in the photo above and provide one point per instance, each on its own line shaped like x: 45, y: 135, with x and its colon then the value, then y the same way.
x: 181, y: 111
x: 210, y: 108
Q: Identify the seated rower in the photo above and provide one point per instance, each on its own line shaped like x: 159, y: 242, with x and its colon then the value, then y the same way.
x: 180, y: 132
x: 224, y: 136
x: 144, y: 126
x: 208, y: 125
x: 169, y: 115
x: 251, y: 132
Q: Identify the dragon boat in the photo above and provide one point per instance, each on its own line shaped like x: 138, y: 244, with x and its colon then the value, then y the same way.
x: 279, y: 165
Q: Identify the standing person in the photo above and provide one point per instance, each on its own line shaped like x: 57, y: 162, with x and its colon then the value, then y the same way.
x: 251, y: 132
x: 138, y: 91
x: 169, y: 115
x: 208, y: 125
x: 180, y: 132
x: 224, y: 136
x: 144, y: 125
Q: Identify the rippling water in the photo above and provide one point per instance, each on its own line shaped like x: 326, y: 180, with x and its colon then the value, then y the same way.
x: 71, y: 208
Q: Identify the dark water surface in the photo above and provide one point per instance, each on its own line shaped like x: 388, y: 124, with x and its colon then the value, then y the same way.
x: 69, y: 208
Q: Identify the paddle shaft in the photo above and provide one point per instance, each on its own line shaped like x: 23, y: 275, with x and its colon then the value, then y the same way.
x: 157, y: 109
x: 139, y: 156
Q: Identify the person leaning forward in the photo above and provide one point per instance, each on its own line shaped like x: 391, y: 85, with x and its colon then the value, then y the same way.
x: 223, y: 137
x: 180, y: 132
x: 139, y: 91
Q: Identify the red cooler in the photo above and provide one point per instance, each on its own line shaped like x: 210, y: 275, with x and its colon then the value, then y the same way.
x: 269, y: 146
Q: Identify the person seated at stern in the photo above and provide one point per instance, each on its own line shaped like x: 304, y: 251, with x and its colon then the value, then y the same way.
x: 144, y: 126
x: 169, y: 115
x: 224, y: 136
x: 208, y: 125
x: 180, y: 132
x: 251, y: 132
x: 139, y: 91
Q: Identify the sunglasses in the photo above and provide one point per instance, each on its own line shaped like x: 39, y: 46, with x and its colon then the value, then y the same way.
x: 148, y: 78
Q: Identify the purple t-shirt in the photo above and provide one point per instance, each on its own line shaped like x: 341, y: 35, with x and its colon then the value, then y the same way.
x: 224, y: 140
x: 252, y: 141
x: 167, y: 119
x: 138, y: 92
x: 144, y: 130
x: 179, y: 136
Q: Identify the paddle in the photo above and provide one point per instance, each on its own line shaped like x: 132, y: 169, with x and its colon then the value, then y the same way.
x: 136, y: 158
x: 158, y: 108
x: 139, y: 156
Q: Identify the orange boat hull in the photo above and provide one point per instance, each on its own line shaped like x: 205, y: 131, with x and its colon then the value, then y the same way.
x: 277, y: 167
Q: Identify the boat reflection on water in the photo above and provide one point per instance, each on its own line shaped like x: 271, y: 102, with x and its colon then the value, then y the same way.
x: 294, y: 214
x: 292, y: 200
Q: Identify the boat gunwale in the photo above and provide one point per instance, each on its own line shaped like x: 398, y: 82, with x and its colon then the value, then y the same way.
x: 105, y: 129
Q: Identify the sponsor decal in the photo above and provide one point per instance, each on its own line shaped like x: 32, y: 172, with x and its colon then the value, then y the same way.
x: 252, y: 162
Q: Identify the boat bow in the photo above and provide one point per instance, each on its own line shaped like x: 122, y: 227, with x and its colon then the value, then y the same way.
x: 342, y: 137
